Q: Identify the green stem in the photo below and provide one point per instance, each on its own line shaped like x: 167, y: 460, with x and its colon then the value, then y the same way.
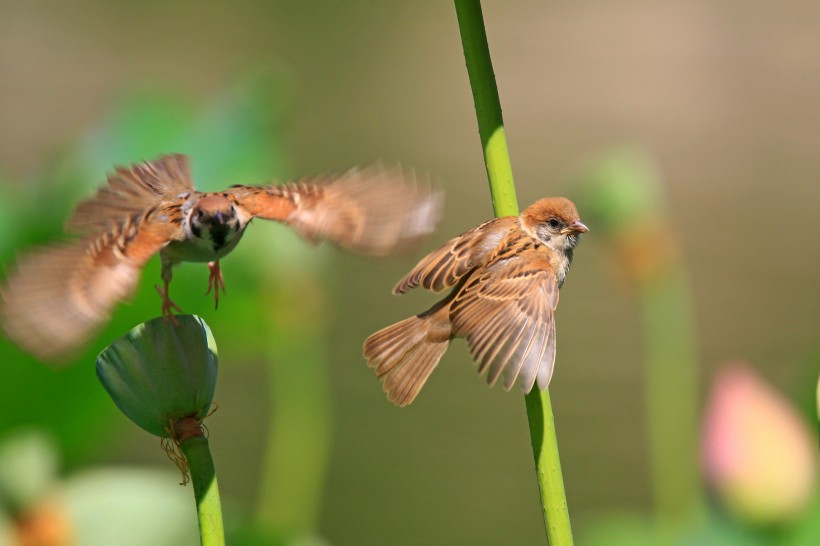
x: 487, y: 107
x: 502, y: 189
x: 672, y: 387
x: 299, y: 427
x: 548, y: 467
x: 206, y: 490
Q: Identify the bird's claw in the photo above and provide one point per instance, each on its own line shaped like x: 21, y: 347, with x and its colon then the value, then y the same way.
x: 215, y: 282
x: 168, y: 306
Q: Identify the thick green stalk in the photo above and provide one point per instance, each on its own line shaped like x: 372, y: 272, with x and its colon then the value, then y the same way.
x: 206, y: 490
x: 299, y: 434
x: 502, y: 189
x: 672, y: 387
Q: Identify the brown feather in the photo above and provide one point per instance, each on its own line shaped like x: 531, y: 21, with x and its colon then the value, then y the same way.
x: 373, y: 211
x: 60, y: 296
x: 505, y: 277
x: 493, y: 310
x: 406, y: 353
x: 444, y: 267
x: 131, y: 191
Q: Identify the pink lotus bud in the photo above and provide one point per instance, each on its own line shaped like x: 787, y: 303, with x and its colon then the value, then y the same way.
x: 757, y: 451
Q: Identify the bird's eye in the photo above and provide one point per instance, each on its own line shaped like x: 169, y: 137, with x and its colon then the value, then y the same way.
x: 554, y: 223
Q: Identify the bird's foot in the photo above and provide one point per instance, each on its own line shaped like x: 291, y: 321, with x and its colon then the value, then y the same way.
x: 215, y: 281
x: 168, y: 306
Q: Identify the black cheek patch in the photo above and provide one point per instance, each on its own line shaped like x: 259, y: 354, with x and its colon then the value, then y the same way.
x: 543, y: 233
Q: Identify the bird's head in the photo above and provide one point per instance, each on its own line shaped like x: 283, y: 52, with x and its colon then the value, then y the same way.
x: 555, y: 222
x: 214, y: 218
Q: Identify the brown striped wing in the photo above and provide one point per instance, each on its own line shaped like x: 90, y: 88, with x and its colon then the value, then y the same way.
x: 60, y: 296
x: 132, y: 191
x: 444, y: 267
x: 374, y: 211
x: 506, y: 313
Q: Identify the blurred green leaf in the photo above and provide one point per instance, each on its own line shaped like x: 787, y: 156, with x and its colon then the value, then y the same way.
x: 68, y: 402
x: 28, y: 466
x: 7, y: 534
x: 805, y: 532
x: 619, y: 530
x: 129, y: 507
x: 249, y: 535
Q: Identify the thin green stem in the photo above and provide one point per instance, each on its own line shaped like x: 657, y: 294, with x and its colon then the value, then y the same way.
x: 206, y: 490
x: 487, y: 107
x: 502, y: 189
x: 548, y: 467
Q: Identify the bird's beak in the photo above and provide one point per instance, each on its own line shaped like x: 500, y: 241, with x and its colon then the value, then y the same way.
x: 575, y: 227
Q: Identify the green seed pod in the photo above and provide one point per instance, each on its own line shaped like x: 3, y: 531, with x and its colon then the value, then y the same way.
x: 160, y: 372
x: 618, y: 188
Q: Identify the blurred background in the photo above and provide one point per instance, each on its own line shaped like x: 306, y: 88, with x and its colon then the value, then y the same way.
x: 688, y: 134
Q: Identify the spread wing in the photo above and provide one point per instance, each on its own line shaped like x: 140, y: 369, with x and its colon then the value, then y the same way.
x: 60, y: 296
x: 506, y: 312
x: 374, y: 211
x: 132, y: 191
x: 444, y: 267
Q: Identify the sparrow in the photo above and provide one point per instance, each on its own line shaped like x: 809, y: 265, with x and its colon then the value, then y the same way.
x: 59, y: 296
x: 505, y: 275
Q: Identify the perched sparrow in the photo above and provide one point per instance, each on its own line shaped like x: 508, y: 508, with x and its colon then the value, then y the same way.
x: 506, y: 274
x: 59, y: 296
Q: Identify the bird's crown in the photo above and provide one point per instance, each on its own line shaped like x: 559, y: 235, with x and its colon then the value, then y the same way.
x: 551, y: 207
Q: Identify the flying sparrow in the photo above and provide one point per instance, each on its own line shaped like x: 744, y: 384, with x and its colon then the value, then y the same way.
x: 60, y: 295
x: 506, y: 274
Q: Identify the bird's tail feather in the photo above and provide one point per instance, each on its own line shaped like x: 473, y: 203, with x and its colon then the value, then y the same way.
x: 406, y: 353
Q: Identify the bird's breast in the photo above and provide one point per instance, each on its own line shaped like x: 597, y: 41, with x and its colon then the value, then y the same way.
x: 208, y: 247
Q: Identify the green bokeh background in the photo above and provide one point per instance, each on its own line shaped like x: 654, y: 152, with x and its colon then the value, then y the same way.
x: 721, y: 96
